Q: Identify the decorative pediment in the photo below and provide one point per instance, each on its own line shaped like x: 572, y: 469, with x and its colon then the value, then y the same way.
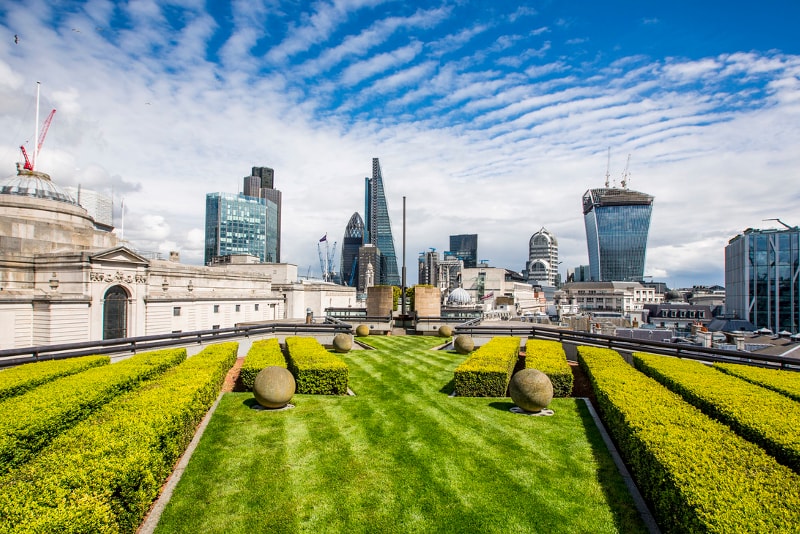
x: 119, y: 255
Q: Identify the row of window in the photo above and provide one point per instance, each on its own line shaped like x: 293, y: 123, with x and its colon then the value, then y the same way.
x: 176, y: 311
x: 691, y: 314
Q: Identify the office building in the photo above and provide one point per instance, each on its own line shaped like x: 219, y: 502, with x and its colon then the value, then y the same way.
x: 240, y: 224
x: 428, y: 262
x: 369, y: 267
x: 762, y: 269
x: 465, y: 248
x: 261, y: 184
x: 353, y: 239
x: 542, y: 265
x: 617, y: 223
x: 378, y: 227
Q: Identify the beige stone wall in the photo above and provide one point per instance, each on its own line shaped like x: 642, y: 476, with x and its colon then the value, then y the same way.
x: 379, y: 301
x: 427, y: 301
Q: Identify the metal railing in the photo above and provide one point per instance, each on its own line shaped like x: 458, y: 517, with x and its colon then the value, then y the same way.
x: 632, y: 345
x: 11, y: 357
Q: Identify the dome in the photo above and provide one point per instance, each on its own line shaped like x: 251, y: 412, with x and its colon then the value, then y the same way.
x: 459, y: 297
x: 34, y: 184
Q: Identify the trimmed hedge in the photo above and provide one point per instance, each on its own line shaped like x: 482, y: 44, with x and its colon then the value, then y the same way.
x: 762, y: 416
x: 315, y: 370
x: 697, y: 474
x: 262, y: 353
x: 22, y: 378
x: 29, y: 421
x: 104, y: 473
x: 784, y: 382
x: 488, y: 370
x: 549, y: 357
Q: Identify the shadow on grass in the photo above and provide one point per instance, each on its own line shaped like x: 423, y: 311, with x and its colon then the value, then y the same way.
x: 626, y: 516
x: 448, y: 388
x: 501, y: 405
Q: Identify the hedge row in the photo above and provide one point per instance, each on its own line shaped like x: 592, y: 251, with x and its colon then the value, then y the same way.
x: 103, y: 474
x: 784, y: 382
x: 549, y: 357
x: 762, y: 416
x: 697, y: 474
x: 263, y: 353
x: 316, y: 370
x: 487, y: 371
x: 29, y: 421
x: 22, y: 378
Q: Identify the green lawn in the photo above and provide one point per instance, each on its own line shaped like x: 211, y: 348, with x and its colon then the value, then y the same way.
x: 400, y: 456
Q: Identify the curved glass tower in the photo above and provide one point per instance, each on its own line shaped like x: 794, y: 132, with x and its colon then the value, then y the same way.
x: 378, y: 229
x: 353, y: 239
x: 617, y: 222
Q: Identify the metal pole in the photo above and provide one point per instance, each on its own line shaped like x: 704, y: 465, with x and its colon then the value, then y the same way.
x: 403, y: 288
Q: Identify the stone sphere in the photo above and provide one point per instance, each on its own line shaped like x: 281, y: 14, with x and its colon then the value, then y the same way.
x: 445, y: 331
x: 464, y: 344
x: 342, y: 342
x: 531, y: 390
x: 362, y: 330
x: 274, y: 387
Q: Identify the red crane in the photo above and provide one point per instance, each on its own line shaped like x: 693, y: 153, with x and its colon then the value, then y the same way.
x: 29, y: 164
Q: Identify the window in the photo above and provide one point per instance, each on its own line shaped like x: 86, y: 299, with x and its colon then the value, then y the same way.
x: 216, y: 308
x: 256, y: 307
x: 215, y: 327
x: 176, y: 311
x: 238, y: 307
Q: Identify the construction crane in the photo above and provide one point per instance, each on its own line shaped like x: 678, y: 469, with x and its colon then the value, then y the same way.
x: 608, y: 167
x: 326, y: 259
x: 625, y: 173
x: 30, y: 163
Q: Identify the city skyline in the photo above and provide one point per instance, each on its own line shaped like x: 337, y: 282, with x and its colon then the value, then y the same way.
x: 489, y: 118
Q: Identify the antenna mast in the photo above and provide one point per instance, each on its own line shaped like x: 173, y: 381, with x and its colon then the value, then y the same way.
x: 608, y: 167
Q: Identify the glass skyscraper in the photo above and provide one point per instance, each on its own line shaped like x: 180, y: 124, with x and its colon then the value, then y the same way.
x: 378, y: 227
x: 353, y: 239
x: 239, y: 224
x: 465, y: 248
x: 261, y: 184
x: 762, y: 278
x: 617, y: 222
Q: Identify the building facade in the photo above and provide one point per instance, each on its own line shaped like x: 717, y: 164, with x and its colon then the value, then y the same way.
x: 617, y: 222
x: 261, y: 184
x: 378, y: 227
x: 626, y: 298
x: 240, y: 224
x: 352, y: 241
x: 542, y: 264
x: 369, y: 267
x: 762, y: 278
x: 465, y: 248
x: 428, y: 262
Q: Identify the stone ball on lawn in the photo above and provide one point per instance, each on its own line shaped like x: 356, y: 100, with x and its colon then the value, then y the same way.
x: 362, y: 330
x: 445, y: 331
x: 342, y: 342
x: 464, y: 344
x: 531, y: 390
x: 274, y: 387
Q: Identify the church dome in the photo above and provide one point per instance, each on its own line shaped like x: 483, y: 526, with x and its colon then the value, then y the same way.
x: 459, y: 297
x: 34, y: 184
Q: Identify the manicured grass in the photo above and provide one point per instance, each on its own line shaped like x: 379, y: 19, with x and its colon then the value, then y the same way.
x: 400, y: 456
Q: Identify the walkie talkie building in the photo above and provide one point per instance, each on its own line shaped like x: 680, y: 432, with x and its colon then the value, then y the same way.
x: 617, y: 223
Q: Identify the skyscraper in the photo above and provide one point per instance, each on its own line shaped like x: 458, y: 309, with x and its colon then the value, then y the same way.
x: 542, y: 265
x: 617, y: 222
x: 761, y: 272
x: 261, y: 184
x: 238, y: 224
x: 353, y: 239
x: 378, y: 227
x: 465, y: 248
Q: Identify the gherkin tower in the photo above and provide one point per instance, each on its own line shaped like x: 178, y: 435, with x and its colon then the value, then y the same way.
x: 353, y: 239
x: 378, y: 227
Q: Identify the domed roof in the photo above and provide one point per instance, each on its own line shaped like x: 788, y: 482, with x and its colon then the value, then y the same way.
x: 34, y: 184
x: 459, y: 297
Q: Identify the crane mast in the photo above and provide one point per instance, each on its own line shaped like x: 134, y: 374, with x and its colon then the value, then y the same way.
x: 30, y: 163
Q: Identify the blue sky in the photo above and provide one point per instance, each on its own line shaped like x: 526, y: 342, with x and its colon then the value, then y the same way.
x: 490, y: 117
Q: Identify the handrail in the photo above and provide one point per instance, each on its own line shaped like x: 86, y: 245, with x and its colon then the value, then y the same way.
x: 631, y: 344
x: 11, y: 357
